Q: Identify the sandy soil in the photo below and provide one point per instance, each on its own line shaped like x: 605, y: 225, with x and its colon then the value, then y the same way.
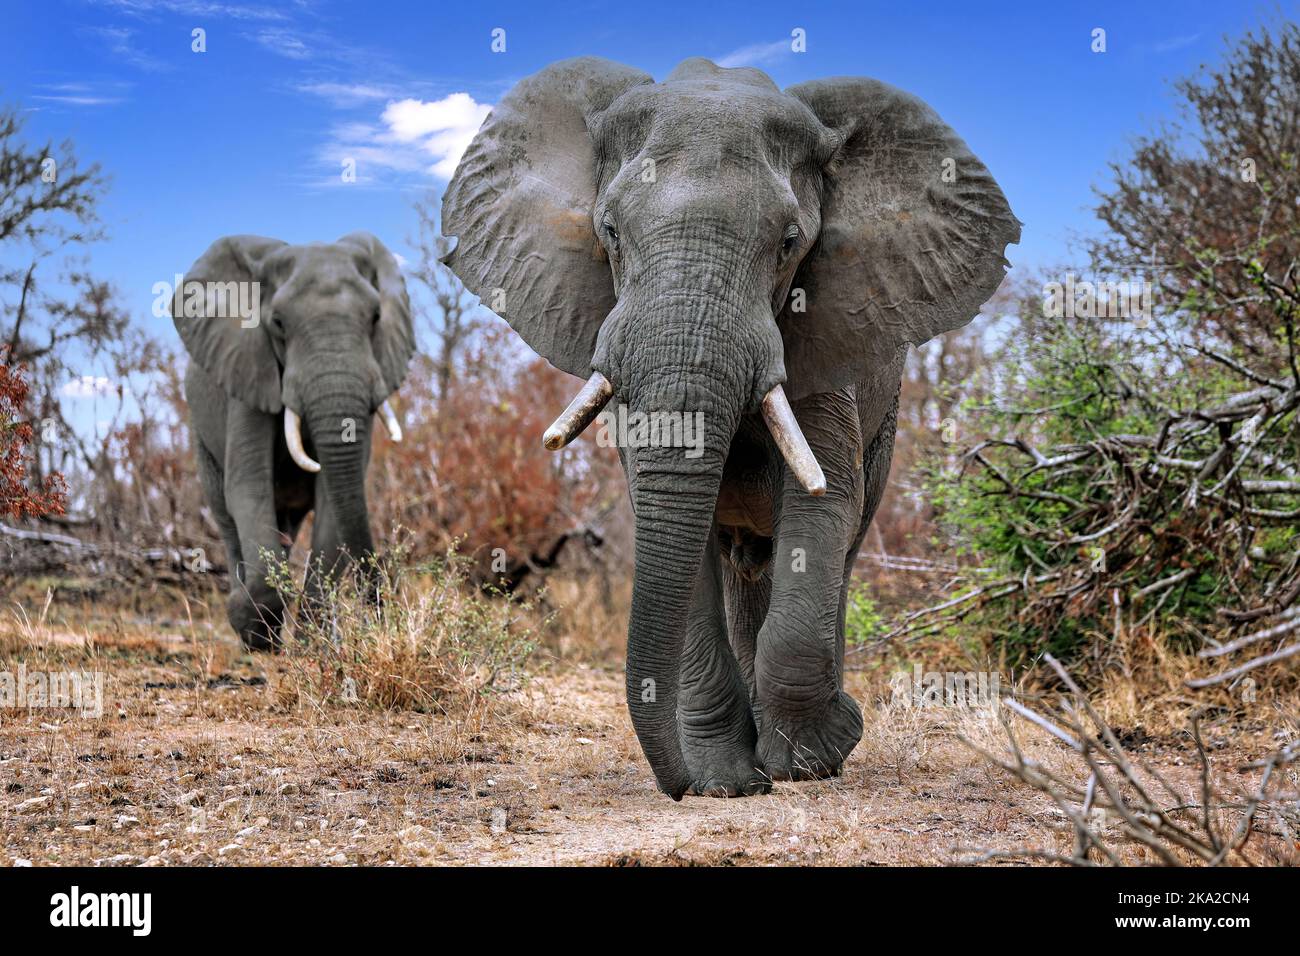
x: 184, y: 769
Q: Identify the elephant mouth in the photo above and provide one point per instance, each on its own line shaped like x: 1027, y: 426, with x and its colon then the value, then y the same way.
x: 293, y: 435
x: 596, y: 393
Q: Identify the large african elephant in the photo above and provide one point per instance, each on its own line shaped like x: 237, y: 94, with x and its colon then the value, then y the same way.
x: 713, y: 245
x: 281, y: 336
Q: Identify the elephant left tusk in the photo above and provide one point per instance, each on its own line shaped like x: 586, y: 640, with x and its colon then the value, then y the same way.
x: 390, y: 422
x: 586, y: 405
x: 293, y: 437
x: 789, y: 438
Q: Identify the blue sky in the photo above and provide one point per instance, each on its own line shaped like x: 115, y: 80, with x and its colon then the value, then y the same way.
x: 250, y: 135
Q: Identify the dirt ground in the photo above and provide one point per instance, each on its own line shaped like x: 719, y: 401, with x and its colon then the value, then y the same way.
x: 198, y: 760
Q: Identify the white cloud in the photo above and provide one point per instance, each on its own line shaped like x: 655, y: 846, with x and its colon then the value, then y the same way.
x: 412, y: 137
x: 441, y: 128
x: 121, y: 43
x: 368, y: 144
x: 79, y: 100
x: 756, y: 54
x: 195, y: 8
x: 284, y: 42
x: 344, y: 94
x: 99, y: 93
x: 87, y: 386
x: 1175, y: 43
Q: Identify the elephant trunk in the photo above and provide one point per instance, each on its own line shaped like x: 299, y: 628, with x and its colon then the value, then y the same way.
x: 689, y: 373
x: 674, y: 509
x: 340, y: 426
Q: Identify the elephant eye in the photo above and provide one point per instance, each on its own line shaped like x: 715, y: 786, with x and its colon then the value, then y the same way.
x: 790, y: 240
x: 612, y: 233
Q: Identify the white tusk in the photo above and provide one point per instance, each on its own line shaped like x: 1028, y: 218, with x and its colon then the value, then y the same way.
x: 390, y: 421
x: 794, y: 447
x: 293, y: 437
x: 586, y: 405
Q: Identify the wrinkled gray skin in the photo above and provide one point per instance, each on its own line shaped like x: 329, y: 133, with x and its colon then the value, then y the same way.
x: 332, y: 341
x: 653, y: 232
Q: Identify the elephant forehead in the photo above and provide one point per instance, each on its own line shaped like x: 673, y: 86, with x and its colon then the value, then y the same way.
x: 712, y: 118
x: 321, y: 256
x: 323, y: 269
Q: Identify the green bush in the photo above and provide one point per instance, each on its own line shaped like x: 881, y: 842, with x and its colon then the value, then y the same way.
x: 1105, y: 472
x: 863, y: 621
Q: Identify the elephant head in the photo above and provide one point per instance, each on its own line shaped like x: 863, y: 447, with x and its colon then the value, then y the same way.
x: 713, y: 244
x: 320, y: 333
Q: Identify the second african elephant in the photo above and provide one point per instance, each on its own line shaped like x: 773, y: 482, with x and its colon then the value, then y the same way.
x: 293, y: 348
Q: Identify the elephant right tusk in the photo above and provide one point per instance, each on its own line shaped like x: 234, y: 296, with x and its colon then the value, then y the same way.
x: 789, y: 438
x: 390, y: 422
x: 586, y: 405
x: 293, y: 437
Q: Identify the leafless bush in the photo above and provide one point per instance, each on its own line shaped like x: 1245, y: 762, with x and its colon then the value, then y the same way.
x: 1114, y: 800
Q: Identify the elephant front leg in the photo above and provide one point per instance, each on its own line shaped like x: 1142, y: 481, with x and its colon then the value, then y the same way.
x: 807, y: 724
x: 213, y: 481
x: 255, y: 607
x: 713, y: 716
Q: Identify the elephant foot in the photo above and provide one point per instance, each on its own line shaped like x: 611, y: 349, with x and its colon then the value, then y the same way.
x: 724, y: 765
x: 804, y: 749
x: 257, y: 623
x: 726, y: 775
x: 260, y: 640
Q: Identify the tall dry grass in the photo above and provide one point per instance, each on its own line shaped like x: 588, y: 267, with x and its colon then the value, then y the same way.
x: 419, y: 637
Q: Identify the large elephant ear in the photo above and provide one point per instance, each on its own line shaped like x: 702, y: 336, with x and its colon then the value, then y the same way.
x: 520, y: 204
x: 912, y: 236
x: 234, y: 350
x: 393, y: 338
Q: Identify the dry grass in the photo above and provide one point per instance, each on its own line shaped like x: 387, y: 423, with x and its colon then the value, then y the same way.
x: 207, y: 755
x: 591, y: 612
x: 429, y: 642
